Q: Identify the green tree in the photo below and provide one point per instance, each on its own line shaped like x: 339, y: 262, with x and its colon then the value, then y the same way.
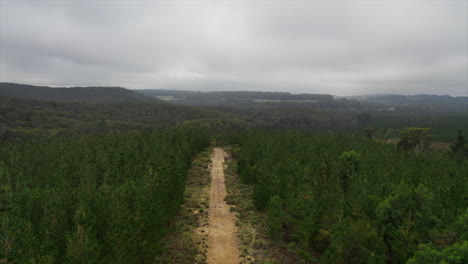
x: 415, y: 138
x: 428, y: 254
x: 275, y: 221
x: 369, y: 132
x: 355, y: 242
x: 405, y: 218
x: 350, y: 162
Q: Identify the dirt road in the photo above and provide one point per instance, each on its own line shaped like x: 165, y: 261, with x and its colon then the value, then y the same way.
x: 222, y: 230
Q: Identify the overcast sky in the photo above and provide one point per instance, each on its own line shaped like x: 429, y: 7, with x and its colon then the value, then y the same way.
x: 334, y: 47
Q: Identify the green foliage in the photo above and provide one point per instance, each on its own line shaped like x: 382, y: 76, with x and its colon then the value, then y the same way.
x: 92, y: 199
x: 369, y: 132
x: 404, y: 219
x: 350, y: 162
x: 369, y: 205
x: 428, y: 254
x: 274, y: 211
x: 415, y: 138
x: 460, y: 227
x: 26, y: 118
x: 357, y: 242
x: 450, y: 245
x: 349, y: 166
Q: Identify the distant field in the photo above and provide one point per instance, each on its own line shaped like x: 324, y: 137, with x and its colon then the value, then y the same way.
x: 283, y: 101
x: 165, y: 97
x: 169, y: 98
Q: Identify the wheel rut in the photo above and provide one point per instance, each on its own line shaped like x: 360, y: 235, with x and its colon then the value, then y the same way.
x: 221, y: 229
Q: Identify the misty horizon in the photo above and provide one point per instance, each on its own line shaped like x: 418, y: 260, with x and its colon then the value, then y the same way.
x: 208, y: 91
x: 318, y: 47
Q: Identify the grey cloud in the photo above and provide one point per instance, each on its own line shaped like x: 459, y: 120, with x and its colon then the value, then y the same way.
x: 337, y: 47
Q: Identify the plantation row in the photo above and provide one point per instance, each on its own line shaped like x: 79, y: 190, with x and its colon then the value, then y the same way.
x: 92, y: 199
x: 342, y: 199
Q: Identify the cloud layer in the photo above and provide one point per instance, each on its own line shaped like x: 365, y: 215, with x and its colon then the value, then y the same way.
x: 335, y: 47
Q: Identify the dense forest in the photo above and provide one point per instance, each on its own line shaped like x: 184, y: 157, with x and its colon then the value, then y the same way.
x: 342, y: 199
x: 92, y: 199
x: 25, y: 118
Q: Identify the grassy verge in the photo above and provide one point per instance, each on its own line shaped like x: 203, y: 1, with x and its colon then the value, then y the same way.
x: 187, y: 241
x: 255, y: 245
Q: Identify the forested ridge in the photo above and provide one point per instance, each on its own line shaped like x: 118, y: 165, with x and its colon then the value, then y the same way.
x: 30, y: 118
x: 72, y: 94
x: 28, y: 111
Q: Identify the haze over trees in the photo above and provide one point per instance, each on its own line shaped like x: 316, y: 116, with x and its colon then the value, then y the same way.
x: 47, y: 111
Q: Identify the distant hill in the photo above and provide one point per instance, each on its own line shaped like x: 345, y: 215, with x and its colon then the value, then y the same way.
x: 73, y: 94
x: 89, y: 114
x: 434, y: 102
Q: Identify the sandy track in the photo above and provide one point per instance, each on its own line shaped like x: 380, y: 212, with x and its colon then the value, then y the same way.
x: 222, y: 230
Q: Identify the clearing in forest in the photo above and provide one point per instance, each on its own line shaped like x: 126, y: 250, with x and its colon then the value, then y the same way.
x: 222, y: 230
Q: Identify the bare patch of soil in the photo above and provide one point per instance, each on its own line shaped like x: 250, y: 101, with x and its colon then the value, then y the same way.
x: 221, y: 229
